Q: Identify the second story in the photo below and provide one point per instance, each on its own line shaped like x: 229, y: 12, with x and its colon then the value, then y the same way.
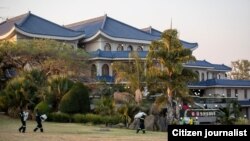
x: 108, y: 36
x: 207, y: 70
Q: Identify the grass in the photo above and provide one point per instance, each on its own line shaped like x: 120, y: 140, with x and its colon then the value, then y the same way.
x: 71, y: 132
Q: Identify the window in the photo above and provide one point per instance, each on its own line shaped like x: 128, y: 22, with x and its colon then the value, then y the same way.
x: 105, y: 70
x: 198, y: 75
x: 225, y: 75
x: 236, y: 92
x: 219, y: 76
x: 228, y: 92
x: 107, y: 47
x: 245, y: 93
x: 93, y: 71
x: 139, y: 48
x: 130, y: 48
x: 202, y: 77
x: 120, y: 47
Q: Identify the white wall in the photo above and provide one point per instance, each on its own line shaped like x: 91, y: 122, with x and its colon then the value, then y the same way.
x: 93, y: 45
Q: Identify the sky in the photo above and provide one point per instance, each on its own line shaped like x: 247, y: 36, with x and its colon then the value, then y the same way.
x: 220, y: 27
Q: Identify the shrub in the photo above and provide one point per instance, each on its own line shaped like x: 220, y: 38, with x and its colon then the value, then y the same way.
x: 43, y: 107
x: 59, y: 117
x: 76, y: 100
x: 242, y: 121
x: 79, y: 118
x: 97, y: 119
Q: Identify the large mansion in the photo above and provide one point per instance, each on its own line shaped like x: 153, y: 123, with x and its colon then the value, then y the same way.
x: 109, y: 40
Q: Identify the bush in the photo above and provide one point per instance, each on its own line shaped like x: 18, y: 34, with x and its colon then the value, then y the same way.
x: 43, y: 107
x: 242, y: 121
x: 97, y: 119
x: 76, y: 100
x: 59, y: 117
x: 79, y: 118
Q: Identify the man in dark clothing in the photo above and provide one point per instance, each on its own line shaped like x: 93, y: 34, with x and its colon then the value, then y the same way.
x: 23, y: 120
x: 141, y: 126
x: 39, y: 121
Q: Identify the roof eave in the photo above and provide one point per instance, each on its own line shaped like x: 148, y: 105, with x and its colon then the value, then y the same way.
x: 218, y: 86
x: 8, y: 34
x: 48, y: 36
x: 194, y: 48
x: 200, y: 67
x: 115, y: 38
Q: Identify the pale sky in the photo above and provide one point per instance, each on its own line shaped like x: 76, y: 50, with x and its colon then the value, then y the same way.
x: 220, y: 27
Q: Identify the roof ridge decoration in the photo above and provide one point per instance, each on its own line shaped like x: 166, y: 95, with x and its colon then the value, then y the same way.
x: 104, y: 21
x: 150, y: 29
x: 85, y: 21
x: 24, y: 19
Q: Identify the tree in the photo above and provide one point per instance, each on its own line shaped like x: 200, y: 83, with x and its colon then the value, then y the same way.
x: 57, y: 87
x: 134, y: 75
x: 165, y: 68
x: 23, y: 90
x: 50, y: 56
x: 26, y: 65
x: 105, y: 106
x: 240, y: 70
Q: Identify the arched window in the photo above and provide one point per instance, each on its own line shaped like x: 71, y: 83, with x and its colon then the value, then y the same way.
x: 93, y: 71
x: 107, y: 47
x: 130, y: 48
x: 139, y: 48
x: 198, y: 75
x: 202, y: 76
x: 105, y: 70
x: 120, y: 47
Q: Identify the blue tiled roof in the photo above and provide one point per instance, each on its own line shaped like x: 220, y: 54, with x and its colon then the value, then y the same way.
x: 157, y: 33
x: 115, y: 28
x: 116, y: 54
x: 118, y: 29
x: 205, y: 64
x: 112, y: 28
x: 33, y: 24
x: 200, y: 63
x: 89, y: 27
x: 105, y: 78
x: 244, y: 102
x: 223, y: 82
x: 189, y: 45
x: 222, y: 67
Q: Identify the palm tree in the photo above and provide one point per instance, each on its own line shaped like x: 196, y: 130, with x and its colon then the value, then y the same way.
x: 229, y: 114
x: 57, y: 87
x: 165, y: 67
x: 134, y: 75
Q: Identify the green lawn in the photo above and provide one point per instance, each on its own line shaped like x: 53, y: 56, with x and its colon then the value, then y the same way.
x: 71, y: 132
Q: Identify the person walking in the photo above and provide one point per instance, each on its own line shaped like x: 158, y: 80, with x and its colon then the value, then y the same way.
x: 141, y: 124
x: 23, y: 116
x: 39, y: 121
